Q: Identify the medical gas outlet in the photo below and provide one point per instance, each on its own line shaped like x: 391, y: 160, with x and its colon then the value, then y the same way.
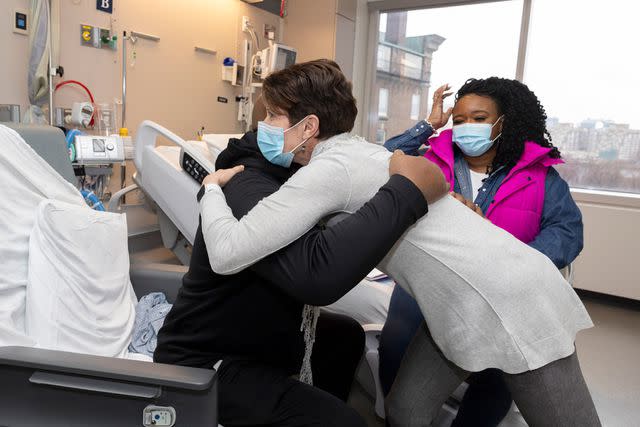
x: 99, y: 38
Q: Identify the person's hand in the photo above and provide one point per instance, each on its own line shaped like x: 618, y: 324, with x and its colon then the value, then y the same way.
x: 425, y: 174
x: 468, y: 203
x: 222, y: 176
x: 438, y: 118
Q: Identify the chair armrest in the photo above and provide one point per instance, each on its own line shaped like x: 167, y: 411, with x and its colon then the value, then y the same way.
x: 166, y: 278
x: 108, y: 368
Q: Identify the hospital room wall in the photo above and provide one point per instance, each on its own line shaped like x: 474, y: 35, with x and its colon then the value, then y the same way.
x: 333, y: 29
x: 330, y: 29
x: 14, y: 48
x: 169, y: 83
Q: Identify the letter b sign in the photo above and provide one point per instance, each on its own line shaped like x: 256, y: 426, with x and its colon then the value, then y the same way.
x: 105, y: 5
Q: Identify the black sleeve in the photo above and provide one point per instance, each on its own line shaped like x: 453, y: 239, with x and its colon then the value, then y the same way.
x: 325, y: 263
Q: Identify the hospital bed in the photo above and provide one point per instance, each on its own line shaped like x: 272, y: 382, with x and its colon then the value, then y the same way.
x: 54, y: 388
x: 165, y: 184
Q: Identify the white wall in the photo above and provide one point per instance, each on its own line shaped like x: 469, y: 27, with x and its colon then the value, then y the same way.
x: 609, y: 262
x: 310, y: 28
x: 14, y: 48
x: 170, y: 82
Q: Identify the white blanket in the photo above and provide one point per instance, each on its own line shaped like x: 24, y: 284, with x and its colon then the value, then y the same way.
x: 79, y: 296
x: 25, y: 180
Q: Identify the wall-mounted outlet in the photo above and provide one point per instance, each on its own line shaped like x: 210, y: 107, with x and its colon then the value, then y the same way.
x: 269, y: 32
x: 245, y: 23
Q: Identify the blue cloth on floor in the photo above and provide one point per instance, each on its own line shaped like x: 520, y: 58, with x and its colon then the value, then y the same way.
x: 150, y: 313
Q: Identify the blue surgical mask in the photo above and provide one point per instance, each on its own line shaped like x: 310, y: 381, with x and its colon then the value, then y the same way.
x: 271, y: 144
x: 474, y: 139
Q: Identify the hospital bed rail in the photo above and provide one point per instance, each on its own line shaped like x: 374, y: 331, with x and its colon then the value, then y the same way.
x: 167, y: 189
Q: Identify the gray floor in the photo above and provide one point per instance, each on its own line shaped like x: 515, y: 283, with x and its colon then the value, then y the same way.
x: 610, y: 359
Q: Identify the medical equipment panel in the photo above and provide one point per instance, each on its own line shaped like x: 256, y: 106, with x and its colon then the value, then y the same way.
x: 99, y: 149
x: 196, y: 160
x: 275, y: 58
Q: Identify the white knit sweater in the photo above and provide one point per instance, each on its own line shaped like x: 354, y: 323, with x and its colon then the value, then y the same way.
x: 490, y: 301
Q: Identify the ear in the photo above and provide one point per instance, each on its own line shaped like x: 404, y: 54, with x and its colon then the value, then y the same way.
x: 311, y: 126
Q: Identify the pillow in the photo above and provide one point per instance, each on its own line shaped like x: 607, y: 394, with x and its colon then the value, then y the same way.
x: 25, y: 180
x: 79, y: 295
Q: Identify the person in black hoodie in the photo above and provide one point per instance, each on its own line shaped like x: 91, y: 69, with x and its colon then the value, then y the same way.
x: 250, y: 321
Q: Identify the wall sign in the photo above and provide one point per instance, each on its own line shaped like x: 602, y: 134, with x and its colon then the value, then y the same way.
x: 105, y: 5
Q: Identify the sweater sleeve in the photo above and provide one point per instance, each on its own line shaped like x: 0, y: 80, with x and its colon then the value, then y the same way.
x: 325, y: 264
x: 561, y: 230
x: 315, y: 191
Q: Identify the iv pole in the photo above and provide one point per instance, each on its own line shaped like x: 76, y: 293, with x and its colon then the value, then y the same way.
x: 52, y: 71
x: 124, y: 78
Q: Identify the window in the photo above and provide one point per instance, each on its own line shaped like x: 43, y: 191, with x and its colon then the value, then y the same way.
x: 419, y: 50
x: 383, y: 103
x: 384, y: 58
x: 587, y: 81
x: 411, y: 66
x: 383, y: 25
x: 415, y: 106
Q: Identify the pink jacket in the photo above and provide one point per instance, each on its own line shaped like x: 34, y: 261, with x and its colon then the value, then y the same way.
x: 518, y: 203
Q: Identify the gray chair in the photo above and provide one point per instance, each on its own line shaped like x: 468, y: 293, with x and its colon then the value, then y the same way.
x: 55, y: 388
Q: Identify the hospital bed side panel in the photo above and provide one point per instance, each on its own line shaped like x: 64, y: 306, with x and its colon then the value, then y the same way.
x: 170, y: 188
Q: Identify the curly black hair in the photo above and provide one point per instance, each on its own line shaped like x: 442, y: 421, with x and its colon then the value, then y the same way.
x: 524, y: 117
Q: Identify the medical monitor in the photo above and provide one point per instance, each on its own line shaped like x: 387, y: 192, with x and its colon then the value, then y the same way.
x: 277, y: 57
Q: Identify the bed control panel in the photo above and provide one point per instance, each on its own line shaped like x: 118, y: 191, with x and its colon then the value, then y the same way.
x: 196, y: 160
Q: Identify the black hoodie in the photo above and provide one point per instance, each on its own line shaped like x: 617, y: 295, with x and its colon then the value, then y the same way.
x: 256, y: 314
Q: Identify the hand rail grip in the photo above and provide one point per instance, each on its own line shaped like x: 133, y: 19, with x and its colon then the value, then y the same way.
x: 75, y: 382
x: 146, y: 136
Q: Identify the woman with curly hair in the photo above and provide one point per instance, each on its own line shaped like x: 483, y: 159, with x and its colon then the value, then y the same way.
x: 498, y: 161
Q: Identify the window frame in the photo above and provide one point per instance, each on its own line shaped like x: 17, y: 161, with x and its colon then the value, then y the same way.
x: 376, y: 7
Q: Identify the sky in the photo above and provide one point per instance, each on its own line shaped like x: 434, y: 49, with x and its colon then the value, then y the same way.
x: 582, y: 56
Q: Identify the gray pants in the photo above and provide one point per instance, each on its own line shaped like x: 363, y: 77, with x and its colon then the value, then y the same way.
x: 554, y: 395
